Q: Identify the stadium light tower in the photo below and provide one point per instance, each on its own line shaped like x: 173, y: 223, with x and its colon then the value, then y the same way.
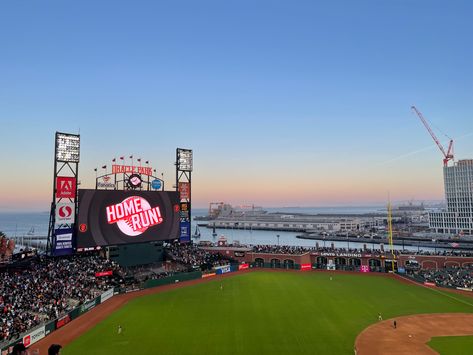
x: 184, y: 167
x: 64, y: 200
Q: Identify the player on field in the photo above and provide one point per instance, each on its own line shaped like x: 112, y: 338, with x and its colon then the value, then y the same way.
x: 119, y: 329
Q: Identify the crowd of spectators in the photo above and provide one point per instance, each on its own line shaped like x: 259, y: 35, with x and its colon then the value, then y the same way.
x: 48, y: 288
x: 281, y: 249
x: 298, y: 250
x: 452, y: 252
x: 449, y: 277
x: 195, y: 257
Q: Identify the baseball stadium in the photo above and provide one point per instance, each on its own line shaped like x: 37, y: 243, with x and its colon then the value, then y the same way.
x: 121, y: 274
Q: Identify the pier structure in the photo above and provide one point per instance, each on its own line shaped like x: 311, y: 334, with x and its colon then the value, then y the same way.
x: 302, y: 223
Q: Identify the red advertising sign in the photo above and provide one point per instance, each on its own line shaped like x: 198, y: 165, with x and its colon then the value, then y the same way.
x: 62, y: 321
x: 305, y: 267
x: 27, y: 340
x: 65, y: 187
x: 104, y: 273
x: 243, y: 266
x: 364, y: 268
x: 184, y: 190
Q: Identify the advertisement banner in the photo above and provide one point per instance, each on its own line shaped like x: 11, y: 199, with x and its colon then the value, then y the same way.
x: 106, y: 295
x: 340, y: 254
x: 49, y: 328
x: 35, y: 336
x: 66, y: 187
x: 430, y: 284
x: 156, y: 184
x: 111, y: 217
x: 61, y: 322
x: 222, y: 269
x: 184, y: 190
x: 185, y: 235
x: 63, y: 243
x: 89, y: 305
x: 104, y: 273
x: 243, y: 266
x: 65, y: 213
x: 106, y: 182
x: 364, y: 268
x: 185, y: 210
x: 305, y: 267
x: 74, y: 313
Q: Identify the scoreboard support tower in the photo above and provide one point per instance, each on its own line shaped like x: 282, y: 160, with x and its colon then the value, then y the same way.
x: 184, y: 165
x: 63, y: 212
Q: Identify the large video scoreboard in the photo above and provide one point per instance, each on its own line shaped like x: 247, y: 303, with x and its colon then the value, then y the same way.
x: 119, y: 217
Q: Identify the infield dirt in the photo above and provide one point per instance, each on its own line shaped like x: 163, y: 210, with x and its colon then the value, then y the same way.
x: 412, y: 333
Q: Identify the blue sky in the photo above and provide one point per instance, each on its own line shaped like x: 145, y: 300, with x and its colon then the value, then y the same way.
x: 284, y: 103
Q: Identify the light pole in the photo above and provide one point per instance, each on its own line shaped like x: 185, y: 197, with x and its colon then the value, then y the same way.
x: 277, y: 236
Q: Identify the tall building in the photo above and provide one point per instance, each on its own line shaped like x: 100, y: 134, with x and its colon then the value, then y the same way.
x: 458, y: 218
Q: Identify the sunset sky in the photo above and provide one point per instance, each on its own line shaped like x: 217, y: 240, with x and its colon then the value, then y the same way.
x: 285, y: 103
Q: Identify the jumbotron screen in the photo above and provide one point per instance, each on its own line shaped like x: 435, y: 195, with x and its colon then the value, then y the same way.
x: 120, y: 217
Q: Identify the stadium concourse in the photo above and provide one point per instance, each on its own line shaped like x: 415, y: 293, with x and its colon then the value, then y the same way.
x: 40, y: 289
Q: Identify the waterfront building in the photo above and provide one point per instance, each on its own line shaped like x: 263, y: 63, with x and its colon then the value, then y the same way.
x: 458, y: 218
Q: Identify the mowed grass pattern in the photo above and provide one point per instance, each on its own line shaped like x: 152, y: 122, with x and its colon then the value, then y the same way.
x: 262, y: 313
x: 462, y: 345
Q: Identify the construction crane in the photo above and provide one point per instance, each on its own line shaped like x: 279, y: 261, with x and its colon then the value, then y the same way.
x: 447, y: 156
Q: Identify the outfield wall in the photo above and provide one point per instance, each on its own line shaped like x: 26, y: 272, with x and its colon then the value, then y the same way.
x: 350, y: 261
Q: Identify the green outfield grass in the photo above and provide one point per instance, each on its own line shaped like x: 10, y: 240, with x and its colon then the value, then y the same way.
x: 452, y: 345
x: 262, y: 313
